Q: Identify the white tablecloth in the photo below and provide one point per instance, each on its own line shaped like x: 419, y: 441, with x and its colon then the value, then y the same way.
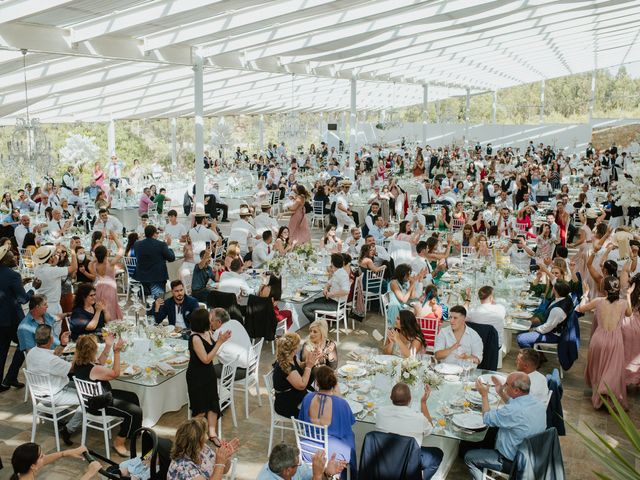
x: 156, y: 400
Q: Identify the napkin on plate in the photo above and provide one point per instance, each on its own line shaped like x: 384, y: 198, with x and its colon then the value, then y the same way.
x: 165, y: 369
x: 129, y: 370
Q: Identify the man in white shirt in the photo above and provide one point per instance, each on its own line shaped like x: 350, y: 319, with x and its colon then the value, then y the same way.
x: 504, y: 201
x: 264, y: 220
x: 381, y: 253
x: 401, y: 419
x: 343, y: 214
x: 378, y: 230
x: 506, y: 223
x: 177, y: 231
x: 426, y: 193
x: 488, y: 312
x: 201, y: 234
x: 353, y: 244
x: 58, y: 226
x: 46, y: 270
x: 262, y: 252
x: 528, y: 361
x: 336, y: 290
x: 25, y: 227
x: 458, y: 343
x: 237, y: 346
x: 233, y: 281
x: 115, y: 170
x: 108, y: 223
x: 243, y: 232
x: 42, y: 361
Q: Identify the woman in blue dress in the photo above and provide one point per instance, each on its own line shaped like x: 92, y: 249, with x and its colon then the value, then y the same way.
x: 327, y: 407
x: 402, y: 289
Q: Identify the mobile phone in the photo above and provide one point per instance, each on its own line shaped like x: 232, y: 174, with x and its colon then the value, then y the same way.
x: 207, y: 245
x: 515, y: 241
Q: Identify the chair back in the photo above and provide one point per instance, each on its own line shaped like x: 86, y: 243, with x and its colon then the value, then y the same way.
x: 260, y: 319
x: 226, y: 300
x: 131, y: 263
x: 39, y: 387
x: 388, y: 456
x: 374, y: 281
x: 310, y: 438
x: 490, y: 351
x: 253, y: 360
x: 385, y: 298
x: 268, y: 383
x: 430, y: 328
x: 318, y: 208
x: 227, y: 377
x: 400, y: 251
x: 467, y: 251
x: 218, y: 253
x: 87, y: 389
x: 457, y: 224
x: 275, y: 197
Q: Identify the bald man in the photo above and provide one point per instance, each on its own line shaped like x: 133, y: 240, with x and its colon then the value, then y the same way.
x: 401, y: 419
x: 522, y: 416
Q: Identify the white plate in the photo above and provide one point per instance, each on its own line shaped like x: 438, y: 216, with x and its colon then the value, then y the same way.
x: 470, y: 421
x: 356, y: 407
x: 448, y: 369
x: 344, y: 388
x: 486, y: 378
x: 352, y: 370
x: 521, y: 314
x: 475, y: 397
x: 451, y: 378
x: 384, y: 359
x: 531, y: 302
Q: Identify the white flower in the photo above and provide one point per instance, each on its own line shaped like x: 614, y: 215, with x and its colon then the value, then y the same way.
x: 406, y: 375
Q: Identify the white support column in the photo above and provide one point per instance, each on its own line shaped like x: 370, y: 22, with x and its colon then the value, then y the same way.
x: 494, y: 107
x: 111, y: 137
x: 425, y: 112
x: 343, y: 126
x: 199, y: 126
x: 542, y: 101
x: 261, y: 132
x: 467, y: 108
x: 174, y: 145
x: 352, y: 119
x: 592, y: 99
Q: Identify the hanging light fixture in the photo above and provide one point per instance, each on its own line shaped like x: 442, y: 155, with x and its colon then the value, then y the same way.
x: 29, y: 149
x: 291, y: 130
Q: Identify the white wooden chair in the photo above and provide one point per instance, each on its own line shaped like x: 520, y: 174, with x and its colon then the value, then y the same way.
x: 318, y: 214
x: 551, y: 349
x: 456, y: 224
x: 373, y: 281
x: 132, y: 263
x: 334, y: 316
x: 385, y: 298
x: 251, y: 378
x: 225, y: 392
x: 277, y: 421
x: 310, y: 438
x: 103, y: 422
x: 44, y: 405
x: 466, y: 253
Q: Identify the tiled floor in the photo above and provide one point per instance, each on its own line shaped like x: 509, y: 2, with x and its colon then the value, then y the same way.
x: 15, y: 421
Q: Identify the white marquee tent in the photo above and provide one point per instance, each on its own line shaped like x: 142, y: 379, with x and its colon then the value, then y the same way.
x: 97, y: 60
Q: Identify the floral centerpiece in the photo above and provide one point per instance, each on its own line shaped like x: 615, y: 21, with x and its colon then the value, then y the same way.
x: 409, y: 369
x: 432, y: 378
x: 306, y: 250
x: 627, y: 193
x: 276, y: 265
x: 118, y: 327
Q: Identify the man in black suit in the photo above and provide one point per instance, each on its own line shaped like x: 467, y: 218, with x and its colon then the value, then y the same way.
x: 178, y: 308
x: 12, y: 296
x: 152, y: 255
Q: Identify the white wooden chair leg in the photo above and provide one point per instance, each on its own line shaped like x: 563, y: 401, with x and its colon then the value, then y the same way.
x: 107, y: 448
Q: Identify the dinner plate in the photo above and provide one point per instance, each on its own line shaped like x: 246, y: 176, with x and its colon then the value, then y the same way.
x: 521, y: 314
x: 344, y: 388
x: 384, y: 359
x: 448, y: 369
x: 181, y: 360
x: 175, y: 335
x: 469, y: 421
x: 532, y: 302
x: 352, y: 370
x: 486, y: 378
x: 314, y: 288
x: 356, y: 407
x: 474, y: 397
x: 451, y: 378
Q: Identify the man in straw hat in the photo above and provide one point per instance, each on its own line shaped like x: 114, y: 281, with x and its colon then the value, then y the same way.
x: 264, y: 220
x: 45, y: 260
x: 12, y: 297
x: 203, y: 233
x: 244, y: 232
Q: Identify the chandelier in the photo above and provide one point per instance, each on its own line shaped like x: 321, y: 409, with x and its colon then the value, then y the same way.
x: 29, y: 149
x: 389, y: 121
x: 291, y: 129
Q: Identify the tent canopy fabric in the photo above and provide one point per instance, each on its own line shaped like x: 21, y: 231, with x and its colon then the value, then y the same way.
x: 102, y: 59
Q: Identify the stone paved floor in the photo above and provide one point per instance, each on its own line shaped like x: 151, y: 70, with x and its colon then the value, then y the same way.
x: 15, y: 421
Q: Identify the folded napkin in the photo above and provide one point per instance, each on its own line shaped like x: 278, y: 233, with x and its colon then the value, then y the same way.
x: 178, y: 360
x: 129, y: 370
x: 353, y: 356
x: 165, y: 369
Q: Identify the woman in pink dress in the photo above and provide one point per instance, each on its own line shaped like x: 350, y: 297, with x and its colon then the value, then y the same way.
x: 631, y: 335
x: 606, y: 358
x: 103, y: 268
x: 584, y: 246
x: 298, y: 224
x: 98, y: 176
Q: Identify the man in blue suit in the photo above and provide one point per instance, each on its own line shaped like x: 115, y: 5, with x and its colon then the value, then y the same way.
x: 178, y: 308
x: 12, y: 296
x: 152, y: 255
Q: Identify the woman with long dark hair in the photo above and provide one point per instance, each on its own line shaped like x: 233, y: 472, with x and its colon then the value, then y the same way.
x: 28, y: 458
x: 273, y: 289
x: 88, y: 316
x: 405, y: 339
